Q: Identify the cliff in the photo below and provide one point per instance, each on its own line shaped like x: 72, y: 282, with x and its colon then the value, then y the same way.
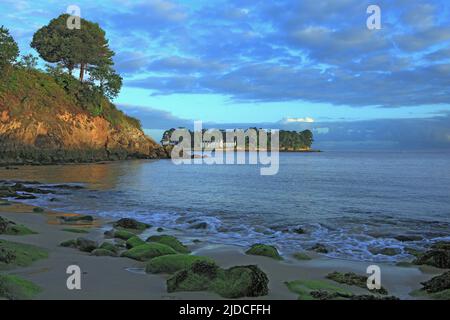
x: 42, y: 123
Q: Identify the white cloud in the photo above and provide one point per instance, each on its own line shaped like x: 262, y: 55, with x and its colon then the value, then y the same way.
x: 292, y: 120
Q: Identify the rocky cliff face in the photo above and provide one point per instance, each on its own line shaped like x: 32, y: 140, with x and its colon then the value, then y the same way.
x: 70, y: 138
x: 38, y: 128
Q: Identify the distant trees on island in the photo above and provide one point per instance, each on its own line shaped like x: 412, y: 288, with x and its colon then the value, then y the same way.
x: 288, y: 140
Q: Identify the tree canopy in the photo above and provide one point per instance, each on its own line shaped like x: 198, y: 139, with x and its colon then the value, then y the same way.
x: 9, y: 50
x: 85, y: 48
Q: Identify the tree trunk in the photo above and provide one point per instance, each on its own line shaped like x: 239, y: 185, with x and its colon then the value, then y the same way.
x: 81, y: 72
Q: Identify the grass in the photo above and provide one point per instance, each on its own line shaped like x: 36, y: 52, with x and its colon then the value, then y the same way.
x: 14, y: 254
x: 15, y: 288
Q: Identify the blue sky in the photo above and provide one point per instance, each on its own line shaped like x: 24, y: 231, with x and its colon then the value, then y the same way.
x: 277, y: 64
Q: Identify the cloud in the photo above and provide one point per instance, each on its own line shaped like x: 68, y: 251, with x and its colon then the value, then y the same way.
x: 291, y: 120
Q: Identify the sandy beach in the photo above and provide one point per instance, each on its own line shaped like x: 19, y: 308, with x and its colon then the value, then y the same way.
x: 124, y: 278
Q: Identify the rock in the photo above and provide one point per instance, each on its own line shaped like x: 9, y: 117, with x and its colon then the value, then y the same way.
x: 320, y: 248
x: 413, y: 252
x: 124, y: 235
x: 109, y: 233
x: 25, y: 197
x: 441, y: 245
x: 353, y: 279
x: 13, y: 287
x: 385, y: 251
x: 128, y: 223
x: 148, y: 251
x: 200, y: 225
x: 406, y: 238
x: 173, y: 263
x: 438, y: 283
x: 110, y: 247
x: 264, y: 250
x: 6, y: 255
x: 160, y: 229
x: 38, y: 210
x: 434, y: 257
x: 235, y: 282
x: 134, y: 242
x: 86, y: 245
x: 9, y: 227
x: 301, y: 256
x: 299, y: 231
x: 69, y: 244
x: 170, y: 241
x: 103, y: 253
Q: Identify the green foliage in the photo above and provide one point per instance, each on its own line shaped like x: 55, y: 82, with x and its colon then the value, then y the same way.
x: 173, y: 263
x: 81, y: 48
x: 109, y: 81
x: 15, y: 288
x: 170, y: 241
x: 9, y: 50
x: 264, y: 250
x: 28, y: 62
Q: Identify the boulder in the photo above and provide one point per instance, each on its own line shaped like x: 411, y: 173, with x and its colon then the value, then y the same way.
x: 134, y: 242
x: 320, y: 248
x: 173, y: 263
x: 148, y: 251
x: 170, y: 241
x: 438, y: 283
x: 128, y: 223
x: 264, y: 250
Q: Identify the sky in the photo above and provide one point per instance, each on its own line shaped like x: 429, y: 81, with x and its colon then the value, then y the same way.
x: 286, y: 64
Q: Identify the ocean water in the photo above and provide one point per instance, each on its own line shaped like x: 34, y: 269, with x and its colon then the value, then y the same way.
x: 355, y: 203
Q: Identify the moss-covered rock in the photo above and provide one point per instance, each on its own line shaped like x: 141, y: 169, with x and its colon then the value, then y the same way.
x: 103, y: 253
x: 128, y: 223
x: 441, y: 245
x: 264, y: 250
x: 236, y: 282
x: 81, y: 244
x: 123, y: 234
x: 15, y: 288
x: 173, y: 263
x: 38, y: 210
x: 159, y: 229
x: 170, y: 241
x: 241, y: 281
x: 434, y: 257
x: 14, y: 254
x: 388, y: 251
x: 438, y: 283
x: 301, y: 256
x: 86, y: 245
x: 148, y: 251
x: 72, y: 243
x: 134, y: 242
x: 353, y: 279
x: 110, y: 247
x: 9, y: 227
x: 317, y: 290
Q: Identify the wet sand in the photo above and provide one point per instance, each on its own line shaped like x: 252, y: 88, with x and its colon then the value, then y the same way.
x: 123, y: 278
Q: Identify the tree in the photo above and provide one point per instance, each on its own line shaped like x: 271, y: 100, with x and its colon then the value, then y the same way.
x: 28, y: 62
x: 9, y: 50
x: 109, y: 82
x: 73, y: 48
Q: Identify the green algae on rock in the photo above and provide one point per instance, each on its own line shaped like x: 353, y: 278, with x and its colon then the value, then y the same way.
x: 15, y: 288
x: 14, y: 254
x: 170, y: 241
x: 8, y: 227
x: 148, y: 251
x: 264, y: 250
x: 173, y: 263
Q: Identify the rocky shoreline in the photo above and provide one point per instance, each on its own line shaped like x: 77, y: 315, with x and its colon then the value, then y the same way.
x: 190, y: 267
